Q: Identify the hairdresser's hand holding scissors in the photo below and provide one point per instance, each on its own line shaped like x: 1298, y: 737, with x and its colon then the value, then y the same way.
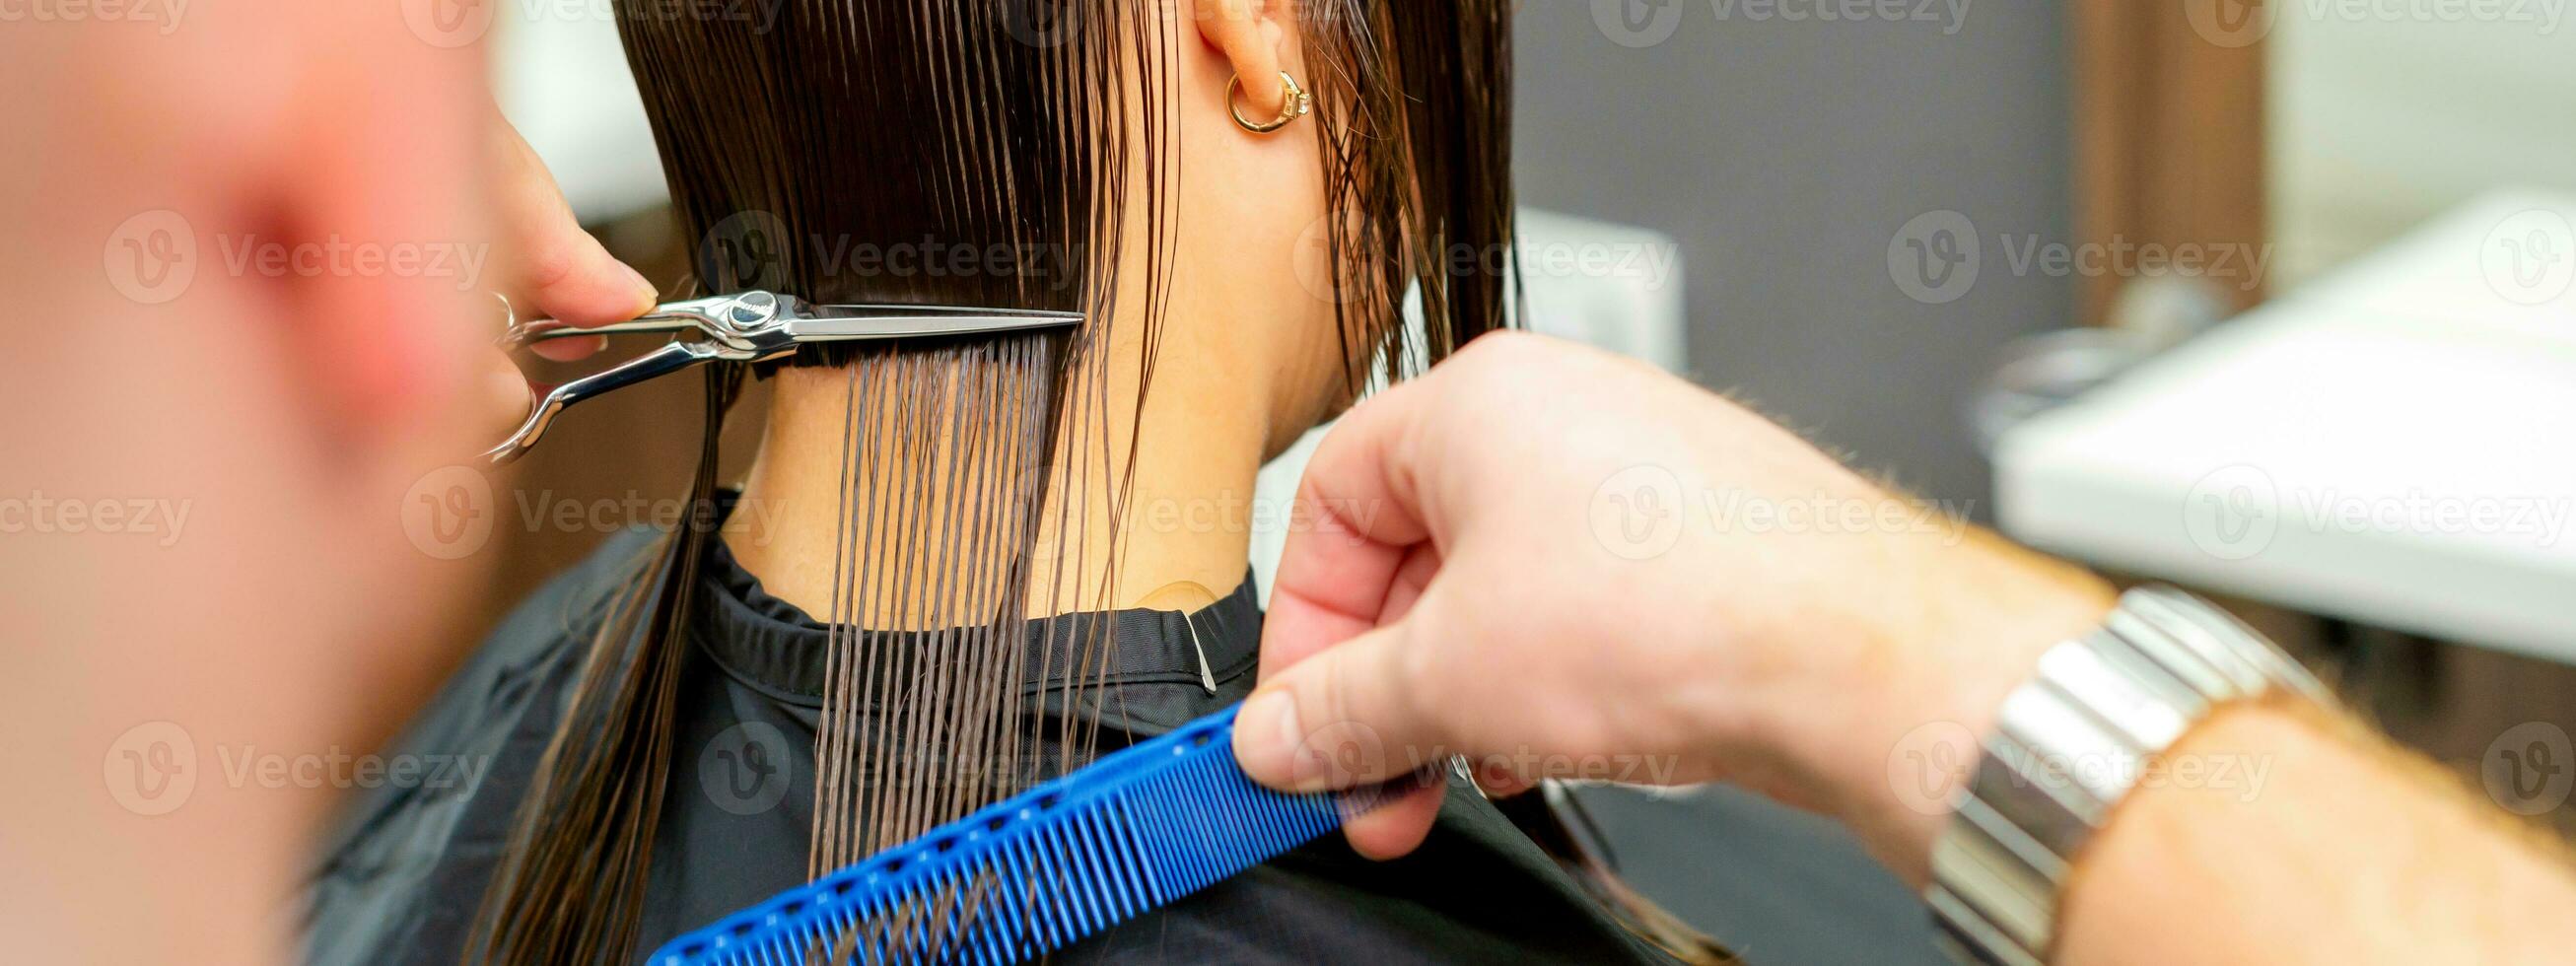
x: 1555, y: 561
x: 549, y: 267
x: 552, y: 268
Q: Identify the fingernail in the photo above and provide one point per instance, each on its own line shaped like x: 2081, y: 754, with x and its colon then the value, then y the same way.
x: 1271, y: 713
x: 509, y: 391
x: 571, y: 349
x: 646, y: 294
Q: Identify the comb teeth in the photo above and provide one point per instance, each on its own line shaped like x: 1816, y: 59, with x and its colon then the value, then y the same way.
x: 1033, y: 873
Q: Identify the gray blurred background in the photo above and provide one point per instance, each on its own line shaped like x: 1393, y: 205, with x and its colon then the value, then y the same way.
x: 1782, y: 156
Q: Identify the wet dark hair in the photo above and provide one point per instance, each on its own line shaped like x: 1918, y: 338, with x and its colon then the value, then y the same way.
x: 867, y: 127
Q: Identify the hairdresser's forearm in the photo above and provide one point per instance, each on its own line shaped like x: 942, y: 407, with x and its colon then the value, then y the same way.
x: 2321, y: 849
x: 2269, y: 835
x: 1960, y: 626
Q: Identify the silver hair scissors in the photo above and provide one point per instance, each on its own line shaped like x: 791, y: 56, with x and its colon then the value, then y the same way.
x: 753, y: 326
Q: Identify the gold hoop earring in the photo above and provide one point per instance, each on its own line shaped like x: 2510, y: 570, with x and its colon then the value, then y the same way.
x: 1295, y: 103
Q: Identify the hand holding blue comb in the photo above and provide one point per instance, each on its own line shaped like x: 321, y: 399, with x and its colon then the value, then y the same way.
x: 1141, y: 827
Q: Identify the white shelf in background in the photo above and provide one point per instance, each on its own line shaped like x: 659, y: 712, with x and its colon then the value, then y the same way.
x: 2394, y: 443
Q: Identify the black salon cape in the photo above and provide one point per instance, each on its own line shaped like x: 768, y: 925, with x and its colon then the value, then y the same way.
x: 400, y: 881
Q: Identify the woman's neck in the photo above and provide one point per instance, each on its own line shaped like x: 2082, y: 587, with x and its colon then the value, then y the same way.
x: 1186, y: 517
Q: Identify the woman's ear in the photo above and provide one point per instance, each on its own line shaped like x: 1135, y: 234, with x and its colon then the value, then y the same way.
x: 1248, y: 33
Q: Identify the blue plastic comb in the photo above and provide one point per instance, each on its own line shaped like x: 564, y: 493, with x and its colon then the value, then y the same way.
x: 1139, y: 828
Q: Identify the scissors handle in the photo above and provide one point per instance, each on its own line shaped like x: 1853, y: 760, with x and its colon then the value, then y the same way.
x: 739, y: 327
x: 541, y: 330
x: 708, y: 315
x: 752, y: 326
x: 546, y: 404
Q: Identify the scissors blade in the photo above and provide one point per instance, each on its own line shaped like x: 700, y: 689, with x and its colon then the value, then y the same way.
x: 840, y: 323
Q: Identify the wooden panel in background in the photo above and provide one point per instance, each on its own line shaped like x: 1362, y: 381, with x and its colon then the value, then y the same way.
x: 2169, y: 114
